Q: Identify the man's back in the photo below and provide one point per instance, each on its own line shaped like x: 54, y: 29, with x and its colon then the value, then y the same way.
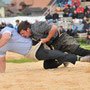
x: 17, y: 43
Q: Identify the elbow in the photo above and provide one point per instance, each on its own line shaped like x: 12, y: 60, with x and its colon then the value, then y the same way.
x: 7, y: 38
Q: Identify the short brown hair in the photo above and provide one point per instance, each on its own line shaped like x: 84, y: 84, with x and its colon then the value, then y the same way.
x: 23, y: 25
x: 17, y: 21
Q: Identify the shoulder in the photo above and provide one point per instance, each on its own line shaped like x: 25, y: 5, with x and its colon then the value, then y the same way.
x: 40, y: 24
x: 7, y: 29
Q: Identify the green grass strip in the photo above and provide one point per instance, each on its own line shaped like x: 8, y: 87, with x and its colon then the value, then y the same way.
x: 22, y: 60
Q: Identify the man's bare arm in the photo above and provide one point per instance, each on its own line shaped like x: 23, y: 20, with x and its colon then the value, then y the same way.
x: 2, y: 64
x: 0, y: 35
x: 4, y: 39
x: 50, y: 35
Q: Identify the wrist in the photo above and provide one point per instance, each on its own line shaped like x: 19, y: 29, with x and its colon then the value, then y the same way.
x: 47, y: 39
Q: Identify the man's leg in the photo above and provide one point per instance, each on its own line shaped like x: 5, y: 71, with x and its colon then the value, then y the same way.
x: 54, y: 63
x: 2, y: 64
x: 52, y: 57
x: 82, y: 52
x: 51, y: 64
x: 68, y: 44
x: 44, y: 54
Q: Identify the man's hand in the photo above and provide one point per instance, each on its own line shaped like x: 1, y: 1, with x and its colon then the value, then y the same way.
x: 44, y: 40
x: 50, y: 34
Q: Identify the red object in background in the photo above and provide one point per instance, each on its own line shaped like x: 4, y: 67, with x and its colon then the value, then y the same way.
x: 77, y: 1
x: 80, y: 9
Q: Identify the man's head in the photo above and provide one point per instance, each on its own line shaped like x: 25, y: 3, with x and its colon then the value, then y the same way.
x: 24, y: 29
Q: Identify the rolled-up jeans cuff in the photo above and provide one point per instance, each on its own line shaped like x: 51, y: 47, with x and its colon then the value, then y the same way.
x: 32, y: 53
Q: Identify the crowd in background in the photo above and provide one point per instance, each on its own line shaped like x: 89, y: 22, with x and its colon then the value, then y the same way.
x: 72, y: 8
x: 3, y: 24
x: 80, y: 17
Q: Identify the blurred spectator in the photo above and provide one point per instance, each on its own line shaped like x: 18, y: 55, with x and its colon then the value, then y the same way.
x: 74, y: 15
x: 80, y: 11
x: 75, y: 2
x: 87, y: 14
x: 74, y: 27
x: 55, y: 17
x: 80, y: 27
x: 72, y: 9
x: 10, y: 25
x: 61, y: 3
x: 66, y: 11
x: 88, y: 36
x: 70, y: 31
x: 84, y: 20
x: 16, y: 26
x: 49, y: 17
x: 76, y: 20
x: 3, y: 25
x: 64, y: 1
x: 80, y: 15
x: 69, y: 2
x: 86, y: 25
x: 85, y: 9
x: 58, y: 9
x: 62, y: 30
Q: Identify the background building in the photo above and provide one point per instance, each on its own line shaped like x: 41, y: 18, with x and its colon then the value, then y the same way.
x: 2, y: 9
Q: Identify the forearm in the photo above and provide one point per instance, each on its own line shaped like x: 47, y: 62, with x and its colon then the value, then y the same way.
x: 50, y: 34
x: 2, y: 64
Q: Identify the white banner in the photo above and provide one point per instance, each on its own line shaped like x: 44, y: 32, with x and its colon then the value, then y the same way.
x: 22, y: 18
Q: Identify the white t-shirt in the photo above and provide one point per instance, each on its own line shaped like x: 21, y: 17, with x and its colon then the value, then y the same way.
x: 17, y: 43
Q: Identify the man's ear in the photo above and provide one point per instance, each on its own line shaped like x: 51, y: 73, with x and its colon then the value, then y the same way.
x: 28, y: 29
